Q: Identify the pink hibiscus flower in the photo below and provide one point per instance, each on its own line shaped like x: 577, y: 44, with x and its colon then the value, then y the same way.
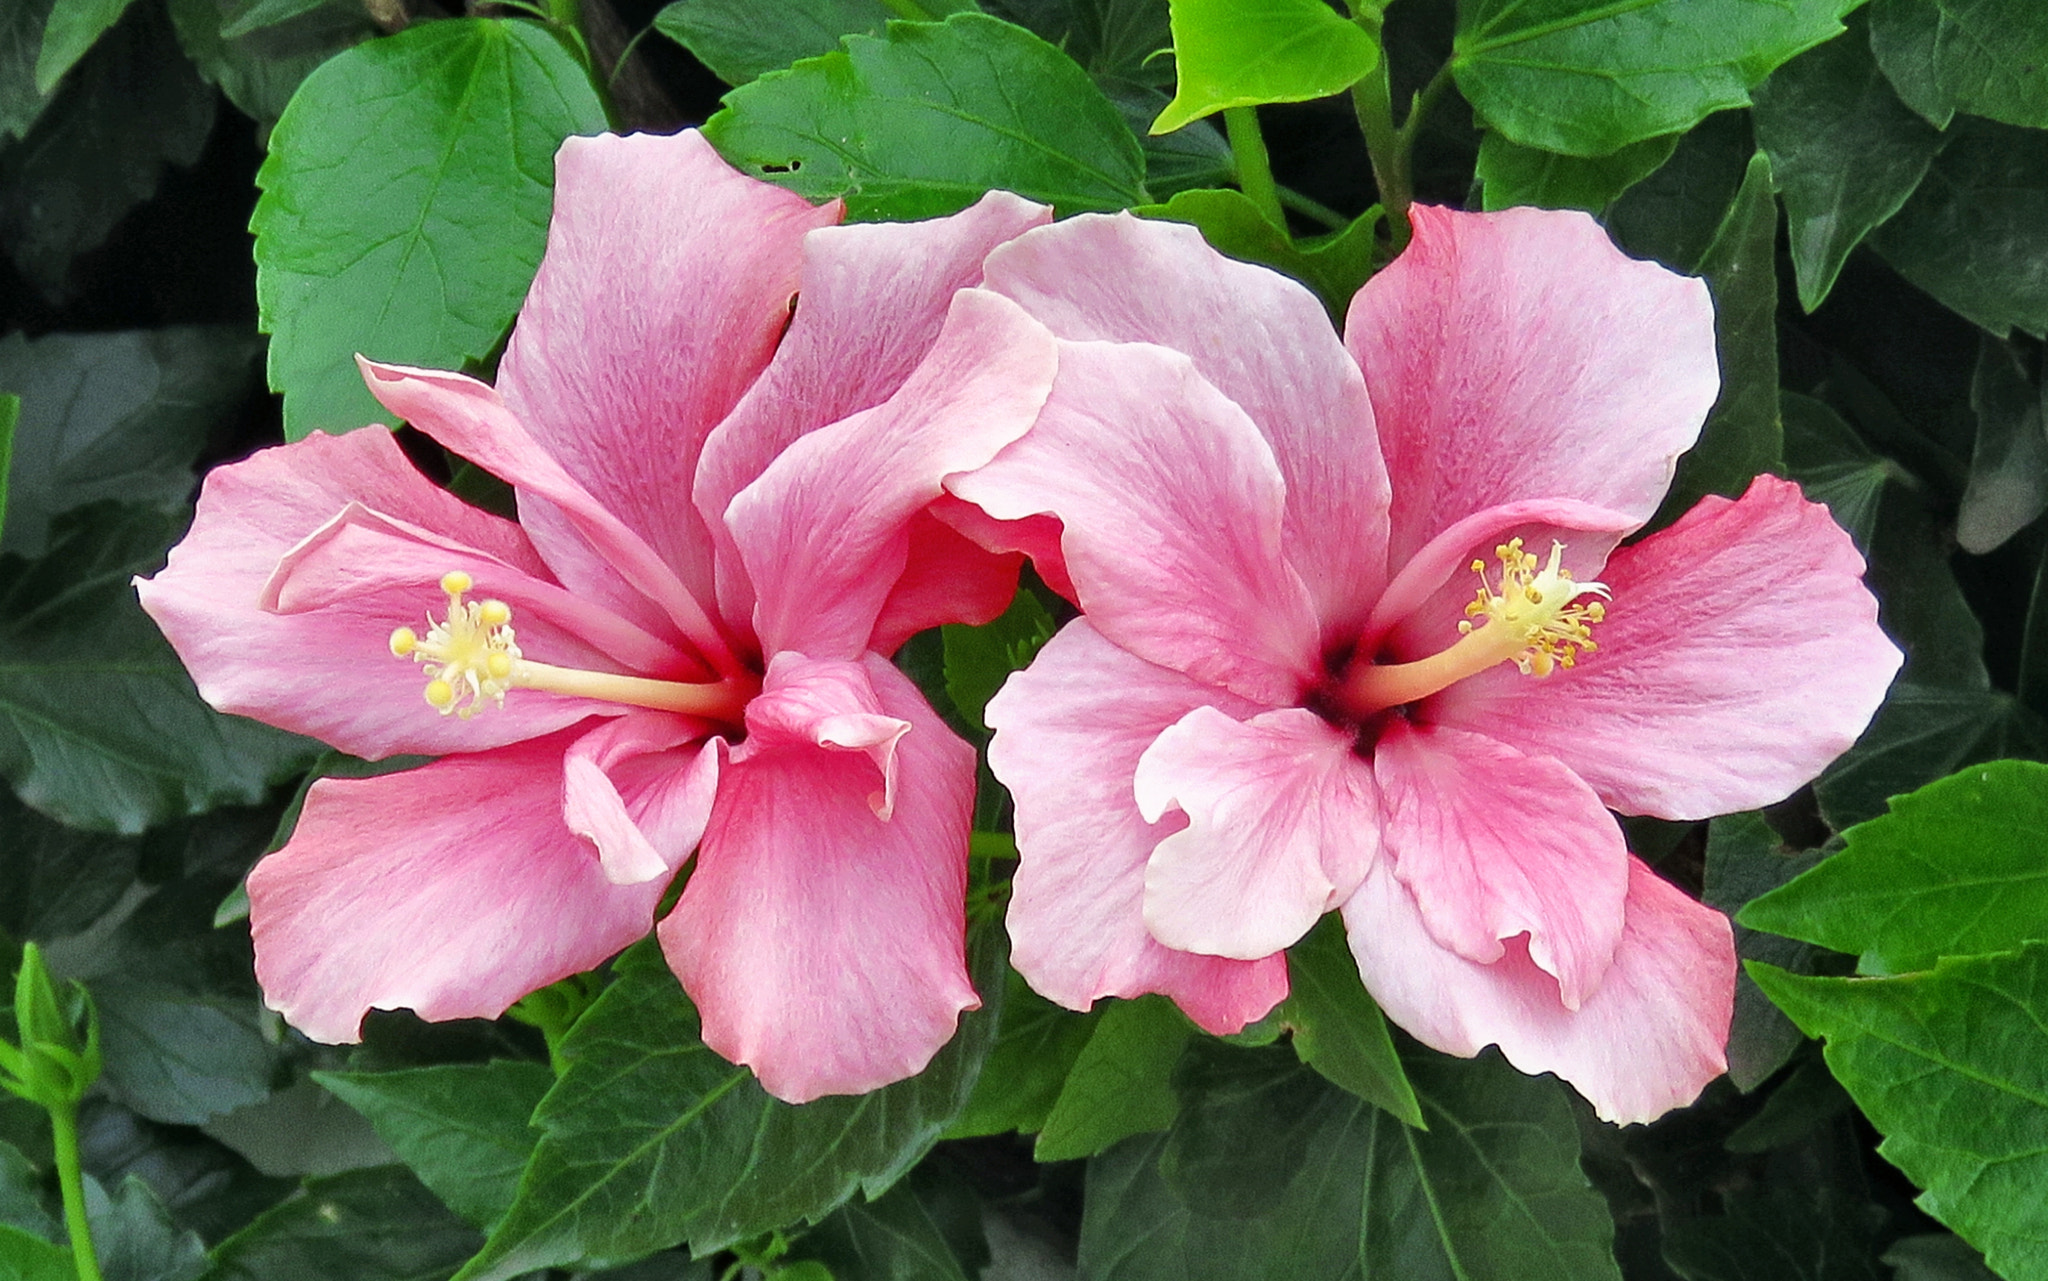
x: 723, y: 531
x: 1299, y: 687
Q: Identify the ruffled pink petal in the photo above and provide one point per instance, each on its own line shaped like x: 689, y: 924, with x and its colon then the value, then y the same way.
x: 467, y: 417
x: 1283, y: 822
x: 947, y: 578
x: 372, y: 537
x: 1260, y: 339
x: 1647, y: 1041
x: 1740, y: 655
x: 873, y: 299
x: 1171, y: 505
x: 1070, y: 730
x: 639, y: 789
x: 1521, y: 355
x: 451, y: 890
x: 1037, y: 537
x: 824, y: 945
x: 1494, y: 844
x: 666, y: 283
x: 825, y: 531
x: 827, y: 703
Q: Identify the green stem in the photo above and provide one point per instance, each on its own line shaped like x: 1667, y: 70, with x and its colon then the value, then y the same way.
x: 1308, y: 207
x: 1254, y: 170
x: 1372, y: 98
x: 64, y: 1127
x: 1424, y: 101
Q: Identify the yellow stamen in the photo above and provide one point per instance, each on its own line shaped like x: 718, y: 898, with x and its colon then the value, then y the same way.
x: 473, y: 656
x: 1531, y: 621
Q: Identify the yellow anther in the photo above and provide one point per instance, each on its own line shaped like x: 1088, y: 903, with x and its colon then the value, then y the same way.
x: 455, y: 582
x: 441, y: 694
x: 494, y: 613
x: 499, y: 665
x: 403, y: 640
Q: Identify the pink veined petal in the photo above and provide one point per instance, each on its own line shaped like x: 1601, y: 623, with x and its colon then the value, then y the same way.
x: 947, y: 578
x: 1283, y: 822
x: 831, y: 704
x: 1493, y: 844
x: 666, y: 283
x: 1171, y: 506
x: 1521, y: 355
x: 823, y: 945
x: 1741, y: 654
x: 873, y: 299
x: 825, y: 531
x: 451, y: 890
x: 1037, y: 537
x: 1260, y: 339
x: 1070, y: 730
x: 468, y: 417
x: 1647, y: 1041
x: 323, y: 666
x: 639, y: 789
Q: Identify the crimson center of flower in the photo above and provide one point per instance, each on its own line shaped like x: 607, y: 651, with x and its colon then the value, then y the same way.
x: 1532, y: 620
x: 471, y: 658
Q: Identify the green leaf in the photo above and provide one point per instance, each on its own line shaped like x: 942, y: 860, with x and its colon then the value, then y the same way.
x: 135, y: 1239
x: 366, y: 1225
x: 1511, y: 174
x: 1984, y: 57
x: 462, y: 1127
x: 72, y: 28
x: 1334, y: 265
x: 10, y: 414
x: 115, y: 416
x: 1035, y: 1047
x: 405, y: 205
x: 2008, y: 485
x: 649, y: 1138
x: 924, y: 121
x: 980, y: 659
x: 1922, y: 733
x: 260, y: 70
x: 891, y: 1239
x: 1745, y: 859
x: 1122, y: 1082
x: 741, y: 40
x: 100, y: 726
x: 1955, y: 869
x: 1976, y: 225
x: 1674, y: 214
x: 1271, y: 1172
x: 30, y: 1258
x: 182, y: 1029
x: 1589, y: 77
x: 1338, y: 1028
x: 21, y: 45
x: 1239, y: 53
x: 1937, y: 1256
x: 1845, y: 153
x: 251, y: 16
x: 123, y: 115
x: 1833, y: 465
x: 1742, y: 437
x: 1951, y: 1066
x: 56, y: 880
x: 21, y: 1199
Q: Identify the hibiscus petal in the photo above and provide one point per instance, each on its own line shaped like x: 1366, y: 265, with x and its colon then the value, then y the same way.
x: 325, y: 667
x: 451, y: 890
x: 873, y: 299
x: 1521, y: 355
x: 1282, y: 825
x: 947, y: 578
x: 1171, y: 504
x: 1494, y: 844
x: 665, y: 285
x: 1260, y: 339
x: 823, y: 945
x: 824, y: 531
x: 1070, y: 730
x: 1740, y: 654
x: 1647, y: 1041
x: 639, y: 789
x: 829, y: 703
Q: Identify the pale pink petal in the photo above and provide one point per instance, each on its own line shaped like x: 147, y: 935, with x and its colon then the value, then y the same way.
x: 873, y: 298
x: 320, y: 662
x: 825, y: 530
x: 468, y: 417
x: 1647, y: 1041
x: 451, y: 890
x: 666, y: 283
x: 823, y: 945
x: 947, y: 578
x: 1070, y: 730
x: 1282, y: 824
x: 639, y: 789
x: 1260, y: 339
x: 1740, y: 655
x: 1171, y: 506
x: 1521, y: 355
x: 1494, y: 844
x: 831, y: 704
